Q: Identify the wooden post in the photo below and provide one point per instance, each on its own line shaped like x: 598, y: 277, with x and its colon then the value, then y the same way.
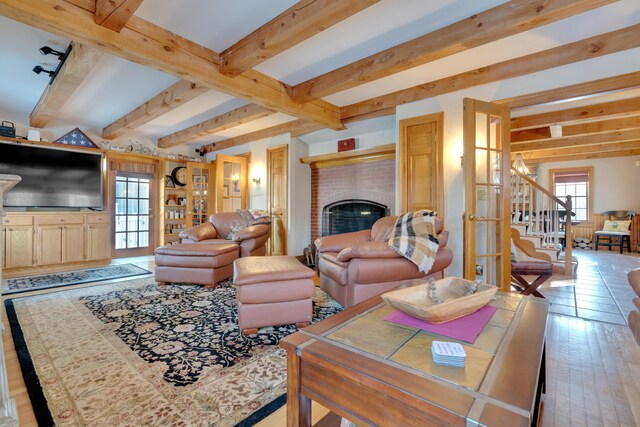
x: 568, y: 244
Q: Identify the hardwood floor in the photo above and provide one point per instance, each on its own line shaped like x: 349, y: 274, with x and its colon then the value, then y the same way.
x: 593, y: 368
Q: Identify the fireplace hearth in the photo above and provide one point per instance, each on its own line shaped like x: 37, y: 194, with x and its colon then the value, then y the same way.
x: 346, y: 216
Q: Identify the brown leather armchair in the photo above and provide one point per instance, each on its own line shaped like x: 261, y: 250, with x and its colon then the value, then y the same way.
x: 356, y: 266
x: 251, y: 240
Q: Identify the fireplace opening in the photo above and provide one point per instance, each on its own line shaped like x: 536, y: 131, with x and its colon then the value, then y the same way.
x: 351, y: 215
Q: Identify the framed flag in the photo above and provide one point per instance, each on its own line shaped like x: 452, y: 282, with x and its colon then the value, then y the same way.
x: 77, y: 138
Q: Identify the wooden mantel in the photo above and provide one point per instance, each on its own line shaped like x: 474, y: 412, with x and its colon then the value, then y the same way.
x: 381, y: 152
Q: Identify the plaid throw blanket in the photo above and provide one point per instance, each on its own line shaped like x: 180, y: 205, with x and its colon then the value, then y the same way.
x: 414, y: 237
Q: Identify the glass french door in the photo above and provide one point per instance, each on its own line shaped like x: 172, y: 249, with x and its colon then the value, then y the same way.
x: 199, y: 185
x: 133, y: 219
x: 487, y: 224
x: 231, y: 183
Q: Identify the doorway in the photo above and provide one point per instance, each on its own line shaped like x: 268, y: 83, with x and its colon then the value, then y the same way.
x: 133, y: 219
x: 277, y: 198
x: 487, y: 186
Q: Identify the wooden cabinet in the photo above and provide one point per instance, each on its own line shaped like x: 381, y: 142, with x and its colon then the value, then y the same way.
x: 189, y: 205
x: 35, y: 240
x: 98, y: 241
x: 199, y: 192
x: 19, y: 246
x: 73, y: 248
x: 49, y: 244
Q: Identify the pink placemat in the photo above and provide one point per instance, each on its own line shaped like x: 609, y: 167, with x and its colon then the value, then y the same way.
x: 465, y: 328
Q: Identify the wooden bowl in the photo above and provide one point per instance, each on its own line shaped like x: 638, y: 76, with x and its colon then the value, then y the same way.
x: 416, y: 301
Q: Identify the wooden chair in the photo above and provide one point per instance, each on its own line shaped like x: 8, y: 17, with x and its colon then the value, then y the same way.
x: 622, y: 236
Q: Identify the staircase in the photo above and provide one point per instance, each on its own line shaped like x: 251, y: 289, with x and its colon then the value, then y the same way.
x: 539, y: 223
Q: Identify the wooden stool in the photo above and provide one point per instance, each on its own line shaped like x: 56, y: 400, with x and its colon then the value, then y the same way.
x: 543, y: 270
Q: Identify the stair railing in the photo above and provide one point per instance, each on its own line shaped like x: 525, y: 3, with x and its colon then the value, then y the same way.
x: 539, y: 210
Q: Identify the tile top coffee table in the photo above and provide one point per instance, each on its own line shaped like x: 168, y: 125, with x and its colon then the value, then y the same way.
x: 374, y: 372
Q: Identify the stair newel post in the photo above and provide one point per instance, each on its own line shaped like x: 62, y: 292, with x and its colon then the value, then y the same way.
x: 568, y: 245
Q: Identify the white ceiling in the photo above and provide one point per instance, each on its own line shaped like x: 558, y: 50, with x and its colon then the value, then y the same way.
x: 117, y: 86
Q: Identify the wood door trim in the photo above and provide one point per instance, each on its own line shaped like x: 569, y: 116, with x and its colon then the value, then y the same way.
x: 270, y: 151
x: 438, y: 119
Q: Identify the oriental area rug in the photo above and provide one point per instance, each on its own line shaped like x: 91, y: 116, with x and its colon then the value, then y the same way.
x: 134, y: 353
x: 67, y: 278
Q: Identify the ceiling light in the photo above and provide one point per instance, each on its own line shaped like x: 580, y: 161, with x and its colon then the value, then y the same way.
x: 520, y: 166
x: 38, y: 69
x: 46, y: 50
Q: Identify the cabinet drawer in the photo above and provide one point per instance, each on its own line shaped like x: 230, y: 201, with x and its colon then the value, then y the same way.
x: 17, y: 220
x: 60, y: 219
x: 99, y: 218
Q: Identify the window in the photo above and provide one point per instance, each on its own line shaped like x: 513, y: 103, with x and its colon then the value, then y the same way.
x: 578, y: 183
x: 132, y: 211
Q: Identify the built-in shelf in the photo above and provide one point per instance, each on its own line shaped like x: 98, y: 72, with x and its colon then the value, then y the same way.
x: 381, y: 152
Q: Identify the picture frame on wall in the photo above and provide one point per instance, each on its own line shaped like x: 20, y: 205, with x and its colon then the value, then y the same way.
x: 168, y: 182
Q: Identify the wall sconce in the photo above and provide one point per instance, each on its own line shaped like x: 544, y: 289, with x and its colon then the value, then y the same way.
x: 256, y: 180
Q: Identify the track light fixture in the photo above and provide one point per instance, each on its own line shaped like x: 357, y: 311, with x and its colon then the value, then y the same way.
x: 38, y: 69
x: 46, y: 50
x: 62, y: 56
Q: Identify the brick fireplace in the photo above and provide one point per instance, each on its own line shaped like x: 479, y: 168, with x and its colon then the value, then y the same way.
x: 370, y: 181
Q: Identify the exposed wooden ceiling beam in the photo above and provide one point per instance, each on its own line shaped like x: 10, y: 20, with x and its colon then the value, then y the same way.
x: 600, y: 155
x: 167, y: 100
x: 587, y: 149
x: 608, y: 84
x: 296, y: 24
x: 380, y: 113
x: 148, y: 44
x: 589, y: 128
x: 294, y: 126
x: 75, y: 69
x: 625, y: 107
x: 576, y: 141
x: 615, y: 41
x: 114, y: 14
x: 493, y: 24
x: 219, y: 123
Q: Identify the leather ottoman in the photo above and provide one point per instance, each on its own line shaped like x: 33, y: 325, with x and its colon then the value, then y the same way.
x: 274, y: 290
x: 195, y: 263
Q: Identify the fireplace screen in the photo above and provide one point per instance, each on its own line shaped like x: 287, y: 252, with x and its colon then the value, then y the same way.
x: 351, y: 215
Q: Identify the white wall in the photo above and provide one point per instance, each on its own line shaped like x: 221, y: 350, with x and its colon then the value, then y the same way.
x: 299, y: 198
x: 615, y: 181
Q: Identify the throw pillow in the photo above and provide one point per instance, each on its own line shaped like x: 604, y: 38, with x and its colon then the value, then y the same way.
x: 258, y: 213
x: 246, y: 216
x: 616, y: 225
x: 234, y: 231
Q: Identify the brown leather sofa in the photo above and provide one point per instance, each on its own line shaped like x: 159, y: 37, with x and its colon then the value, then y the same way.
x: 356, y: 266
x: 251, y: 240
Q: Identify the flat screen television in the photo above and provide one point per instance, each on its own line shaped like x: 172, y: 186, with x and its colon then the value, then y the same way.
x: 52, y: 178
